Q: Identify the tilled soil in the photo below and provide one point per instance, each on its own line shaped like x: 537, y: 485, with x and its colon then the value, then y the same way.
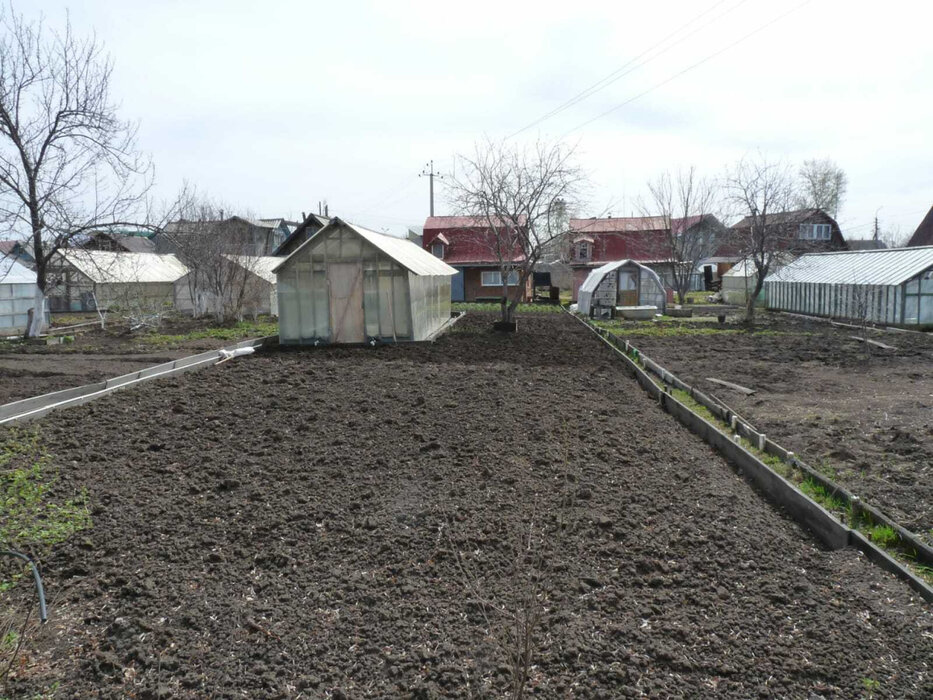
x: 865, y: 419
x: 28, y: 369
x: 368, y: 523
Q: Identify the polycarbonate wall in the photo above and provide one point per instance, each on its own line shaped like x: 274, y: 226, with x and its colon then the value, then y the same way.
x: 907, y: 304
x: 652, y: 293
x: 918, y: 300
x: 15, y: 302
x: 430, y: 303
x: 397, y: 304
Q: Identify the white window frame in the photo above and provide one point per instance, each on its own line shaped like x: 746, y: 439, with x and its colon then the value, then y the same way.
x: 816, y: 232
x: 493, y: 278
x: 435, y: 247
x: 583, y: 250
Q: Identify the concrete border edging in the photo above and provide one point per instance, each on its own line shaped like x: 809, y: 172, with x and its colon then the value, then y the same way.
x: 776, y: 488
x: 38, y: 406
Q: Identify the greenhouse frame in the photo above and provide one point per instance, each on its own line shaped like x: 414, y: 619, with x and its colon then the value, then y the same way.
x: 622, y: 283
x: 890, y: 286
x: 347, y: 284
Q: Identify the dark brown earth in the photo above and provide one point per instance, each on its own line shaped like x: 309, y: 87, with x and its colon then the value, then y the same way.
x: 28, y: 369
x: 348, y: 523
x: 866, y: 420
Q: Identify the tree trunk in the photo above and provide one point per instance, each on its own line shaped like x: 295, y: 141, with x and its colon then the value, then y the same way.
x: 38, y: 315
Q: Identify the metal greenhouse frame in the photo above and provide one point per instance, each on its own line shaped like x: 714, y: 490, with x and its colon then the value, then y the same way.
x: 893, y: 286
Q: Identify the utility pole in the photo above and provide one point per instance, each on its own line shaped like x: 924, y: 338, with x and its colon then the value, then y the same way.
x: 429, y: 173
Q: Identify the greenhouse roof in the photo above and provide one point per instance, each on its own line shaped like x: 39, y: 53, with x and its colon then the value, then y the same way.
x: 401, y: 250
x: 105, y: 267
x: 11, y: 272
x: 864, y: 267
x: 596, y: 276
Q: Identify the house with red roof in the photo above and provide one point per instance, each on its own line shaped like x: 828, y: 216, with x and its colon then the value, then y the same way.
x: 469, y: 244
x: 644, y: 239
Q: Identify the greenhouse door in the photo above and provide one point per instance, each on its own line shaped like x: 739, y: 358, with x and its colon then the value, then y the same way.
x: 346, y: 302
x: 628, y: 288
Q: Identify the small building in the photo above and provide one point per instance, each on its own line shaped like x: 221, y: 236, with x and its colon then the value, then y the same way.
x: 84, y: 280
x: 236, y: 235
x: 347, y: 284
x: 796, y: 232
x: 248, y: 284
x: 17, y: 297
x: 468, y: 244
x: 924, y: 233
x: 622, y: 283
x: 892, y: 286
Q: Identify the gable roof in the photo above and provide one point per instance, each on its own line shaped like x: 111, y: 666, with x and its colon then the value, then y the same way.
x: 310, y: 220
x: 452, y: 222
x: 780, y: 218
x: 262, y: 266
x: 11, y: 272
x: 924, y: 233
x: 401, y: 250
x: 634, y: 224
x: 105, y: 267
x: 891, y: 266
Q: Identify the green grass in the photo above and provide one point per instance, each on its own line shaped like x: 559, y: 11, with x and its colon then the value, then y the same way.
x: 31, y: 519
x: 497, y: 308
x: 822, y: 495
x: 883, y: 535
x: 237, y: 331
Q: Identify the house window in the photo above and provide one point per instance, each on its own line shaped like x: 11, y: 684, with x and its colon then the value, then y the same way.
x: 493, y: 278
x: 437, y: 250
x: 582, y: 251
x: 815, y: 232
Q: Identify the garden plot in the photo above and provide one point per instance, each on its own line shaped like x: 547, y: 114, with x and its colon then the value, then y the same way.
x: 28, y: 369
x: 372, y: 523
x: 860, y: 413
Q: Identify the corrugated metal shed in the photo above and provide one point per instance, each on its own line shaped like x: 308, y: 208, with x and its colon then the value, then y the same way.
x: 401, y: 250
x: 104, y: 267
x: 862, y: 267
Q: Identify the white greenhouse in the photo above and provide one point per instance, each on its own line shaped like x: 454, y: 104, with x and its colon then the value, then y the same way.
x: 86, y: 279
x: 623, y: 283
x: 892, y: 286
x: 17, y: 297
x: 347, y: 284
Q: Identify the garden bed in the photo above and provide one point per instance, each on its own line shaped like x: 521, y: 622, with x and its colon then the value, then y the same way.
x: 352, y: 522
x: 31, y: 368
x: 861, y: 414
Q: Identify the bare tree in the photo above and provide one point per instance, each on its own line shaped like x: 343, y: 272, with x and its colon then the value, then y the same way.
x: 68, y: 163
x: 222, y: 278
x: 763, y: 191
x: 822, y: 186
x: 522, y: 195
x: 684, y: 202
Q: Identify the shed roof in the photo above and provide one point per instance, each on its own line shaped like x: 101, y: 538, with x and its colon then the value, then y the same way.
x: 407, y: 254
x: 864, y: 267
x: 263, y: 266
x: 105, y: 267
x: 11, y: 272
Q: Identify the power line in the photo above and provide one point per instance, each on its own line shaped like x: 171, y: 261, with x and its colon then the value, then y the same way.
x: 689, y: 68
x: 621, y: 72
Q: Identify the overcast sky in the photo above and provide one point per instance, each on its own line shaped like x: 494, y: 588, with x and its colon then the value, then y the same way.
x: 274, y: 106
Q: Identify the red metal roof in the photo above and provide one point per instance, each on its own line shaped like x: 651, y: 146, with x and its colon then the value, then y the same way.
x: 468, y: 240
